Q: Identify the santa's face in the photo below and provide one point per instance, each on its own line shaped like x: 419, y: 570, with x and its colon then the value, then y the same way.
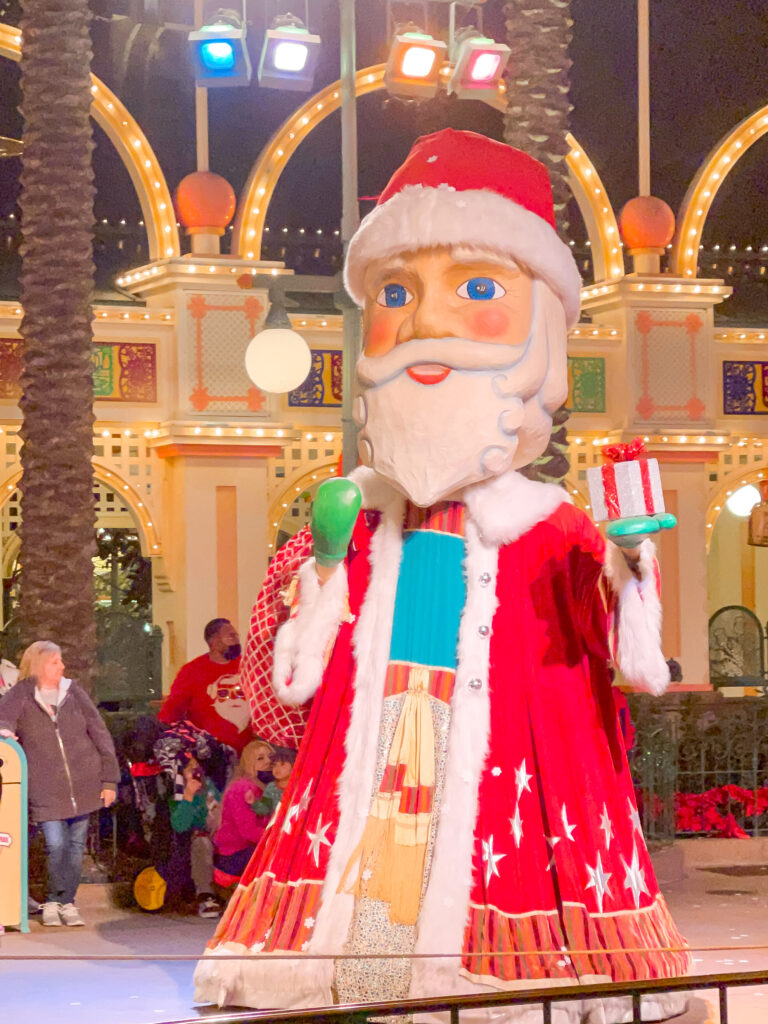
x: 456, y: 381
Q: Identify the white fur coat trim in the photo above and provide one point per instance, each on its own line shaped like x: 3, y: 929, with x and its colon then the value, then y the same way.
x: 303, y: 641
x: 295, y: 984
x: 503, y: 508
x: 638, y: 627
x: 372, y: 637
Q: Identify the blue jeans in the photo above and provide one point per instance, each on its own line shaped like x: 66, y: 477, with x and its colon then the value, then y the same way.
x: 64, y: 846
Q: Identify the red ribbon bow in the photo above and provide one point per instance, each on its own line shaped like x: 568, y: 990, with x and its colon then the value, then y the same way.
x: 625, y: 452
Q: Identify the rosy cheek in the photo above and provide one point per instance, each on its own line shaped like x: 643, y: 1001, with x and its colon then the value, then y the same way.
x: 381, y: 335
x: 489, y: 324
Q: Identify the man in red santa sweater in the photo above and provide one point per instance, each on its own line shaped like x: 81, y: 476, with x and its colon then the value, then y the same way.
x: 462, y: 787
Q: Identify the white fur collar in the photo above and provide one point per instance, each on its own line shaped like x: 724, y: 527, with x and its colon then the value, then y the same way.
x: 504, y: 508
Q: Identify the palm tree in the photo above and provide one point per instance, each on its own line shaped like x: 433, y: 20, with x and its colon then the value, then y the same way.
x: 536, y: 121
x: 57, y: 542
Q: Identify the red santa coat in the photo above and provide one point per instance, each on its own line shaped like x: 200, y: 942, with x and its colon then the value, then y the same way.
x: 538, y: 847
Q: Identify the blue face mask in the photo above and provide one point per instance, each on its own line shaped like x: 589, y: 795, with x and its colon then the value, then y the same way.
x: 232, y: 652
x: 265, y: 777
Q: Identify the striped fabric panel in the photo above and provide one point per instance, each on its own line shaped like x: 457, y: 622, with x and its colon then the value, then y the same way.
x: 539, y: 936
x: 416, y: 799
x: 269, y: 914
x: 445, y: 517
x: 440, y: 683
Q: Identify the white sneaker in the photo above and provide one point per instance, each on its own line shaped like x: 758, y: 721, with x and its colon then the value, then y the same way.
x: 51, y: 913
x: 70, y: 915
x: 208, y: 906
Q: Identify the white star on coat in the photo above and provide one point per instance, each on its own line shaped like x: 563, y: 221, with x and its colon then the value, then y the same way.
x: 304, y: 802
x: 309, y: 922
x: 295, y: 809
x: 553, y: 841
x: 635, y: 877
x: 318, y: 838
x: 599, y: 881
x: 522, y: 779
x: 290, y: 814
x: 568, y: 828
x: 606, y: 827
x: 634, y: 817
x: 491, y: 859
x: 516, y: 824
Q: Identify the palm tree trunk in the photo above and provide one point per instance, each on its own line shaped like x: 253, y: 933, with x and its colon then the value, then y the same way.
x: 536, y: 121
x: 57, y: 541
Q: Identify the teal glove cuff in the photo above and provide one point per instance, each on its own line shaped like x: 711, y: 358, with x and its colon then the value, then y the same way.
x: 334, y: 514
x: 629, y: 533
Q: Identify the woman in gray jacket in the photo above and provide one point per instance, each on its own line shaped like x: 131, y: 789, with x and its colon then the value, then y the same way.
x: 73, y: 769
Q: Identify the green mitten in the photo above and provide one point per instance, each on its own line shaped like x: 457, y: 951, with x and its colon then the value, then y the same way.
x: 629, y: 533
x: 334, y: 513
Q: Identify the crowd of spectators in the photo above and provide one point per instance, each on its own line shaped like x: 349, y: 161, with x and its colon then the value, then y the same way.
x: 195, y: 789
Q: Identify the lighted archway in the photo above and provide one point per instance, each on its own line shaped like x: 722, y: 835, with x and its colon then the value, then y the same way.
x: 588, y: 190
x: 728, y: 486
x: 596, y: 209
x: 314, y: 476
x: 701, y: 193
x: 135, y: 151
x: 146, y: 528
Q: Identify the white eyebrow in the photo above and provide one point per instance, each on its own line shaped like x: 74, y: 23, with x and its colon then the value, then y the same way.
x: 466, y: 254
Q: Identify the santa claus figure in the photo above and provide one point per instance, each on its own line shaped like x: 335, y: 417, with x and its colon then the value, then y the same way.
x: 462, y: 790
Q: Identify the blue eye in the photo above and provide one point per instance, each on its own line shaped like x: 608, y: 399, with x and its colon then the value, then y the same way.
x: 393, y: 296
x: 480, y: 288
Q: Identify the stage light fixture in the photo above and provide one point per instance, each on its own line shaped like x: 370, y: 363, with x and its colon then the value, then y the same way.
x: 480, y: 64
x: 219, y: 52
x: 289, y: 56
x: 413, y: 67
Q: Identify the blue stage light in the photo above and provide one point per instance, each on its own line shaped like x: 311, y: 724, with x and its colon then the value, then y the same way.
x: 219, y: 56
x: 219, y: 52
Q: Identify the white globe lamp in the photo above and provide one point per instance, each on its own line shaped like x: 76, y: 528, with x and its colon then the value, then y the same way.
x: 741, y: 502
x: 278, y: 359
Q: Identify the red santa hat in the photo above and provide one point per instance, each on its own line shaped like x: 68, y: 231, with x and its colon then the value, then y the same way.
x: 461, y: 188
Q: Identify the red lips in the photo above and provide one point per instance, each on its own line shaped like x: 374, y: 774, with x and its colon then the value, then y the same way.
x: 428, y: 373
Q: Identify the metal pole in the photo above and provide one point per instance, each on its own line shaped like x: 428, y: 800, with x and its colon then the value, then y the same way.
x: 350, y: 219
x: 643, y: 99
x: 201, y: 107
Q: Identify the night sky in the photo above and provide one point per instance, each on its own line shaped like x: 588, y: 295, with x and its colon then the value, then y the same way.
x: 708, y: 62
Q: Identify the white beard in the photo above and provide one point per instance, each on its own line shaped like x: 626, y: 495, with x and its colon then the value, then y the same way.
x: 490, y: 414
x: 431, y: 441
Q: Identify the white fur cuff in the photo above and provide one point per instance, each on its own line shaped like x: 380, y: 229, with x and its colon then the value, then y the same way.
x: 304, y: 641
x: 638, y: 628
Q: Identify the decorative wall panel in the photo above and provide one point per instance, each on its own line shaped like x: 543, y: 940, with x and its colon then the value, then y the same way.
x: 323, y: 385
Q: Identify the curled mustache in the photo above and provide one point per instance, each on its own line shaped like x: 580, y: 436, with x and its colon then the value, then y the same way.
x: 455, y: 353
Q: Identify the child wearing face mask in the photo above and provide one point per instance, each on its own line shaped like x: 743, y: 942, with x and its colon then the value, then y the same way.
x: 240, y: 828
x: 281, y: 761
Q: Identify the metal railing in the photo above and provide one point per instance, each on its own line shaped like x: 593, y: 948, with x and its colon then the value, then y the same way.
x: 361, y: 1013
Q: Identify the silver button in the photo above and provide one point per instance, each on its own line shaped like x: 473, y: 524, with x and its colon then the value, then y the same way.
x: 475, y: 684
x: 483, y: 630
x: 485, y: 579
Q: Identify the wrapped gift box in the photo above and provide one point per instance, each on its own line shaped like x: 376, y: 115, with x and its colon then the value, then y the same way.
x: 621, y: 490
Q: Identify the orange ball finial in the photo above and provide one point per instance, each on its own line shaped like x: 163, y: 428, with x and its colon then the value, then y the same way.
x: 205, y: 203
x: 646, y: 222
